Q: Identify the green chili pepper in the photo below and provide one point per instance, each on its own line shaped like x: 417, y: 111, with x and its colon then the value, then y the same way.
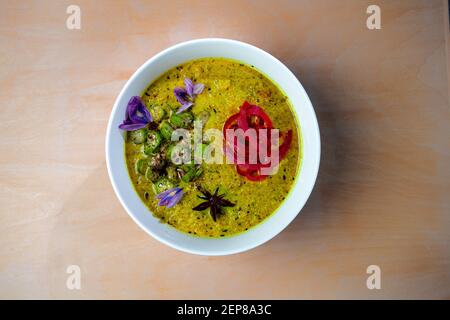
x: 156, y: 161
x: 138, y: 136
x: 182, y: 120
x: 166, y: 130
x: 162, y: 185
x: 140, y: 166
x: 152, y: 175
x: 153, y: 142
x: 169, y: 152
x: 158, y: 113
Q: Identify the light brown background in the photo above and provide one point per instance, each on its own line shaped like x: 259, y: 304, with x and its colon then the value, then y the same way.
x: 382, y: 197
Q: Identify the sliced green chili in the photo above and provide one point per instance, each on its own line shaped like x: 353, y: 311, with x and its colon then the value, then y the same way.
x: 152, y: 175
x: 138, y: 136
x: 140, y: 166
x: 162, y: 185
x: 166, y: 130
x: 158, y: 113
x: 182, y: 120
x: 153, y: 140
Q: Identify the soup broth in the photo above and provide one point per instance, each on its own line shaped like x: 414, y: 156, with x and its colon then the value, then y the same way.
x: 227, y: 85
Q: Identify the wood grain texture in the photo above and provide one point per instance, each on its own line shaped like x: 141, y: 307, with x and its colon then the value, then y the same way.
x: 382, y: 197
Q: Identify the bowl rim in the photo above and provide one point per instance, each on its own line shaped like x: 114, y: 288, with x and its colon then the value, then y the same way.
x: 314, y: 124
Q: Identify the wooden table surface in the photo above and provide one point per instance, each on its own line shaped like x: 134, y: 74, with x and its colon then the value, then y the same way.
x: 383, y: 192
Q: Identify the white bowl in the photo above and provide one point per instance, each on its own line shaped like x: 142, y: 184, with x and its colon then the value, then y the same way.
x: 303, y: 109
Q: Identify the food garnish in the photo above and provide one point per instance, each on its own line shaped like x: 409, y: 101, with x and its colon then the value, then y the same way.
x: 214, y: 202
x: 138, y: 136
x: 253, y: 116
x: 166, y: 130
x: 185, y: 96
x: 170, y: 197
x: 157, y: 150
x: 137, y: 116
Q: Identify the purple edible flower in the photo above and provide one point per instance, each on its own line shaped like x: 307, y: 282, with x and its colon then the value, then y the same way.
x: 185, y: 96
x: 170, y: 197
x: 137, y: 116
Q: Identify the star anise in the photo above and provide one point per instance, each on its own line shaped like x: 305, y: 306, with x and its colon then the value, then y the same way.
x: 214, y: 202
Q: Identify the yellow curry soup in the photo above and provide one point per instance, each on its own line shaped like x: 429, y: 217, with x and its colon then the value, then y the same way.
x: 227, y: 84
